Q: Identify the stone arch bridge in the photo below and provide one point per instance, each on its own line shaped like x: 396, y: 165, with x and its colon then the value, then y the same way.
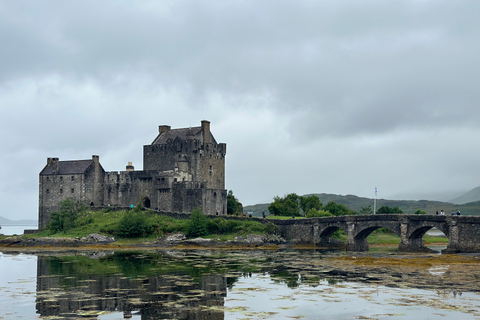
x: 463, y: 232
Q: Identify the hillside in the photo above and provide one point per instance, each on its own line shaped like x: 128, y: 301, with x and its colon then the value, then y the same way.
x: 356, y: 203
x: 8, y: 222
x: 471, y: 196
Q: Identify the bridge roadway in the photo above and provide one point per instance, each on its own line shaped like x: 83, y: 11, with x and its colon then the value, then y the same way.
x: 463, y: 232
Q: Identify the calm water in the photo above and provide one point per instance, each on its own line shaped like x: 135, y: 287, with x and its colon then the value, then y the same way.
x: 15, y: 229
x: 208, y: 284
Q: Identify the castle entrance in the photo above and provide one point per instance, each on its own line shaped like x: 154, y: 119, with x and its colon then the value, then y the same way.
x: 146, y: 202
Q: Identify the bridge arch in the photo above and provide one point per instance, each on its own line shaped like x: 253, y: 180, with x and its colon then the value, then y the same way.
x: 358, y: 233
x: 326, y: 235
x: 413, y: 237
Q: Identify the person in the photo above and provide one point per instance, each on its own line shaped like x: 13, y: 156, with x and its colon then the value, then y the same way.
x: 458, y: 212
x: 442, y: 212
x: 436, y: 213
x: 263, y: 214
x: 453, y: 212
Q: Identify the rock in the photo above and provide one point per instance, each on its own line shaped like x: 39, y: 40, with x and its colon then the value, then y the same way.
x: 264, y: 239
x: 203, y: 241
x: 170, y: 239
x: 96, y: 237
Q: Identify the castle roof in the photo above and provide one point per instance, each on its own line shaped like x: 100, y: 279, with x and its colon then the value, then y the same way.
x: 181, y: 133
x: 68, y: 167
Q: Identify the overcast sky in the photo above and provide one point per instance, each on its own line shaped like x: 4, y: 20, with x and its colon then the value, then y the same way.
x: 310, y: 96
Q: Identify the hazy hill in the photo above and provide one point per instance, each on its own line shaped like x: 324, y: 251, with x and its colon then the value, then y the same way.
x: 408, y: 206
x: 471, y: 196
x: 8, y: 222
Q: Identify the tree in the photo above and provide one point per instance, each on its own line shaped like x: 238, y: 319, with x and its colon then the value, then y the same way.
x: 66, y: 217
x: 233, y: 205
x: 198, y: 224
x: 311, y: 202
x: 286, y: 206
x: 338, y: 209
x: 366, y: 210
x: 388, y: 210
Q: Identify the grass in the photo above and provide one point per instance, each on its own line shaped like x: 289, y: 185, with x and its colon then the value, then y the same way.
x: 282, y: 217
x: 108, y: 222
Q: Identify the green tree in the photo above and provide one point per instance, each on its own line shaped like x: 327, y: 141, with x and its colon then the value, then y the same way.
x: 67, y: 216
x: 198, y: 224
x: 286, y: 206
x: 311, y: 202
x: 233, y: 205
x: 338, y: 209
x: 366, y: 210
x: 388, y: 210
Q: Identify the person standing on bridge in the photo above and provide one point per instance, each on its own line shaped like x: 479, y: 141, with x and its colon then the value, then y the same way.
x: 458, y: 212
x: 436, y: 213
x: 442, y: 212
x: 453, y: 212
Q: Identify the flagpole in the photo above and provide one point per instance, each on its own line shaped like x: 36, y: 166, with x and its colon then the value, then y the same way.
x: 375, y: 202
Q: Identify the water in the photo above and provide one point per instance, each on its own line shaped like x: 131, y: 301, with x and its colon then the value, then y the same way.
x: 209, y: 284
x: 11, y: 230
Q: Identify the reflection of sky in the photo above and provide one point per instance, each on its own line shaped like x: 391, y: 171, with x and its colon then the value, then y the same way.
x: 345, y: 300
x: 18, y: 285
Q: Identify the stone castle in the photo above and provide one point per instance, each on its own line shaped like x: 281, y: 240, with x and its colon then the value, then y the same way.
x: 182, y: 169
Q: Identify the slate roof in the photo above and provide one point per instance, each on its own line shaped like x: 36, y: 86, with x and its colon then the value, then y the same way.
x: 68, y: 167
x: 181, y: 133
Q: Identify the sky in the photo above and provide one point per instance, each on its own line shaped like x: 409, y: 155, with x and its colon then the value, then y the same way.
x: 310, y: 96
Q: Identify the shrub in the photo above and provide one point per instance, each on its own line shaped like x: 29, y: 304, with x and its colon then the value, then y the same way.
x: 66, y: 217
x: 313, y: 213
x: 198, y: 224
x: 419, y: 211
x: 134, y: 224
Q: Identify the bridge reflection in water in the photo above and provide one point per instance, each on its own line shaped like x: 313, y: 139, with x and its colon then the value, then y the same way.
x: 463, y: 232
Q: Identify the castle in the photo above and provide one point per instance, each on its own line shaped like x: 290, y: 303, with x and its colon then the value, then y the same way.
x: 182, y: 169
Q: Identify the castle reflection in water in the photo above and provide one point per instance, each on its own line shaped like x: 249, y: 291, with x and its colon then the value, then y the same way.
x: 71, y: 288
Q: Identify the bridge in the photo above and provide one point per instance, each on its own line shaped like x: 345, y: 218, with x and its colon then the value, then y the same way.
x: 463, y: 232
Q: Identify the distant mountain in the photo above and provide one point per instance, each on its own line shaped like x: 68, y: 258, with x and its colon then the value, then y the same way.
x: 8, y: 222
x: 471, y: 196
x: 356, y: 203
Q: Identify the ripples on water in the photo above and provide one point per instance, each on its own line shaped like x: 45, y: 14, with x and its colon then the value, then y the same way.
x: 227, y: 285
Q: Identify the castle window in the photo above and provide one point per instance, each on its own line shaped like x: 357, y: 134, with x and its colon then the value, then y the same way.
x: 211, y: 170
x: 73, y: 190
x: 73, y: 178
x: 175, y: 179
x: 61, y: 178
x: 48, y: 191
x: 48, y: 179
x: 61, y: 190
x: 214, y: 194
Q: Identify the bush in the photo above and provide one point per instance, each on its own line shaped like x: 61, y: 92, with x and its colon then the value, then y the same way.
x: 134, y: 224
x: 198, y: 224
x: 313, y: 213
x: 66, y: 218
x: 419, y: 211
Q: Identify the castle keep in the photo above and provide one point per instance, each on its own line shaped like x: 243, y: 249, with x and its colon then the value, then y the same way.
x: 182, y: 169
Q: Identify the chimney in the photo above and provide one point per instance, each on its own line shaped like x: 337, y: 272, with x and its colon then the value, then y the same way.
x: 163, y: 129
x: 130, y: 167
x: 206, y: 131
x: 53, y: 162
x: 96, y: 159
